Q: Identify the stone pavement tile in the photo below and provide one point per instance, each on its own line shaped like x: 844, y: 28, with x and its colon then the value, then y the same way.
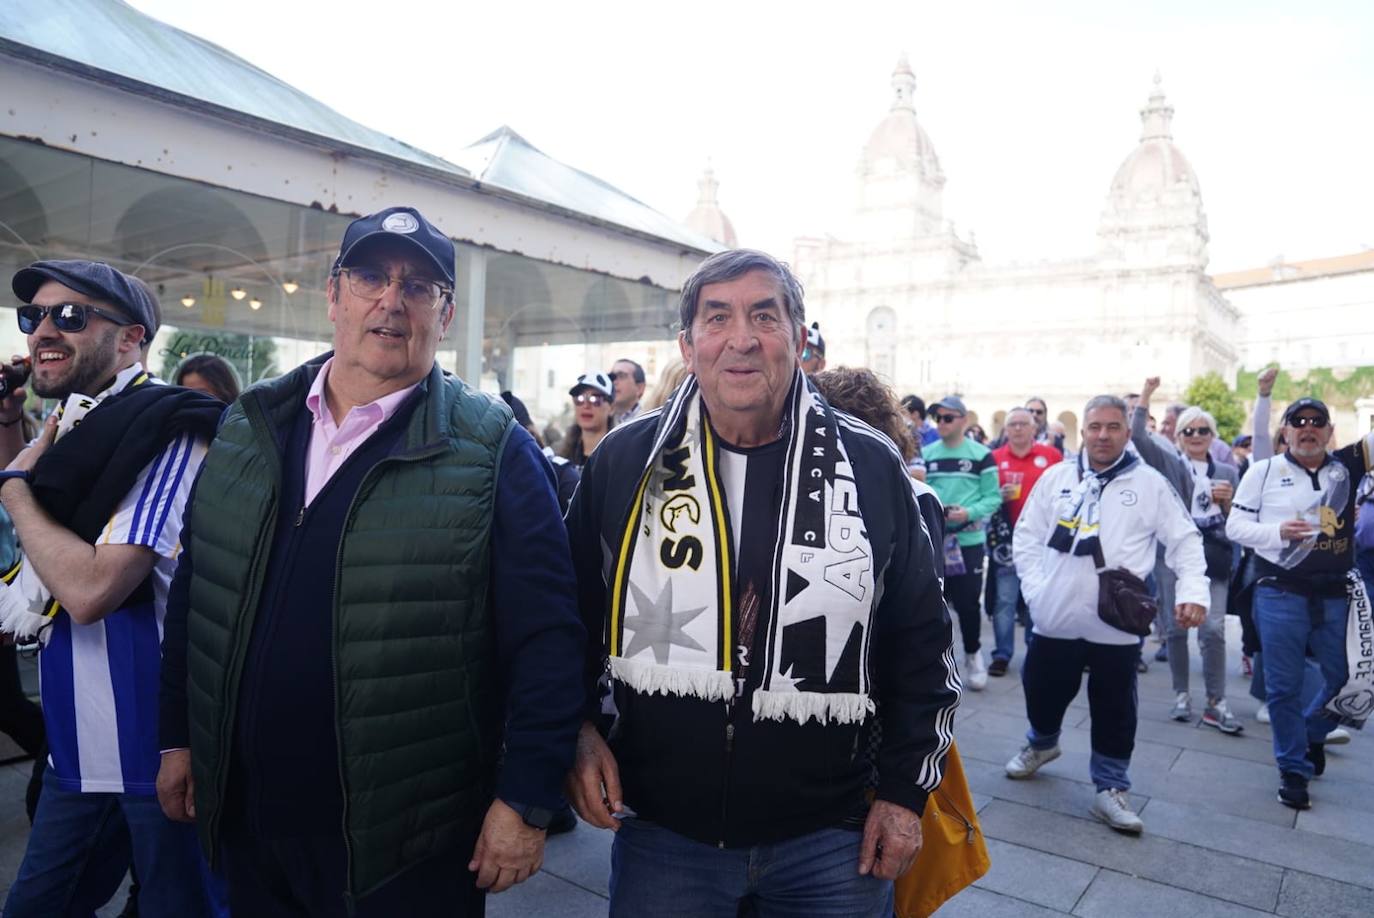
x: 1148, y: 754
x: 1252, y: 745
x: 1047, y: 791
x: 1045, y: 879
x: 544, y: 894
x: 1218, y: 784
x: 1306, y: 896
x: 1292, y: 848
x: 1116, y: 895
x: 1224, y: 876
x: 1337, y: 817
x: 582, y: 857
x: 14, y: 822
x: 980, y: 801
x: 974, y: 902
x: 1346, y: 783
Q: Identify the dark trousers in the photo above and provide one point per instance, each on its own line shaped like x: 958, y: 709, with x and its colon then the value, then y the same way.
x: 305, y: 878
x: 964, y: 593
x: 20, y: 718
x: 1052, y: 675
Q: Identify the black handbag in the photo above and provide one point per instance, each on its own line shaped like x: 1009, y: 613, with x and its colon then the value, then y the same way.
x: 1216, y: 550
x: 1123, y: 600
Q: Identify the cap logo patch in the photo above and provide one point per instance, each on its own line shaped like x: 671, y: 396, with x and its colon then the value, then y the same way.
x: 400, y: 223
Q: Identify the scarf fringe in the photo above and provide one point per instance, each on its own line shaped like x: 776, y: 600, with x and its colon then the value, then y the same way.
x: 15, y: 617
x: 655, y: 679
x: 840, y: 708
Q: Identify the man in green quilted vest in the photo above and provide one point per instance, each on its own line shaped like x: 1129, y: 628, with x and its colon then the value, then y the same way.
x: 371, y: 688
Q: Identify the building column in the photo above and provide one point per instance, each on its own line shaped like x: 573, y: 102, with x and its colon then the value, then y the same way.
x: 472, y: 323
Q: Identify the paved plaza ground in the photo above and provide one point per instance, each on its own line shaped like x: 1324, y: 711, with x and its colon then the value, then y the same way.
x: 1216, y: 841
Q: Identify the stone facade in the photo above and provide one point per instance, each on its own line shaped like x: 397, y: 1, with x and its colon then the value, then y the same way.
x: 906, y: 294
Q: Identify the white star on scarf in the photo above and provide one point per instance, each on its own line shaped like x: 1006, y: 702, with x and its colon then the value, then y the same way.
x: 657, y: 626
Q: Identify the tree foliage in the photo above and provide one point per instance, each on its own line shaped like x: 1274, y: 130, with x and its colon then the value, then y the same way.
x: 1211, y: 393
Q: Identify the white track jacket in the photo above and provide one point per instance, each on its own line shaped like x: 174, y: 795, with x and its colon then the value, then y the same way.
x: 1138, y: 509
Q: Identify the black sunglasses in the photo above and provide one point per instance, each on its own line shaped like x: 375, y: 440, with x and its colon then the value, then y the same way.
x: 614, y: 375
x: 66, y: 317
x: 1307, y: 421
x: 946, y: 418
x: 1196, y: 431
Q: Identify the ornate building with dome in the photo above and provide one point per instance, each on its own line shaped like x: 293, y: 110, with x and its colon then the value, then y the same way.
x: 901, y: 291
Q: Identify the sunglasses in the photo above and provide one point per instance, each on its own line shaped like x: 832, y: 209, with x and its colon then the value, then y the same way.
x: 589, y: 398
x: 1196, y: 431
x: 66, y: 317
x: 1307, y: 421
x: 946, y: 418
x: 615, y: 375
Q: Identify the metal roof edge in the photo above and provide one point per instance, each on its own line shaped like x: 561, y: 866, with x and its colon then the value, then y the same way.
x: 461, y: 178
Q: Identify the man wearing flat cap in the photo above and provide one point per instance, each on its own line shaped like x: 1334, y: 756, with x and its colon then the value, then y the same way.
x: 1297, y: 511
x: 371, y: 690
x: 97, y: 502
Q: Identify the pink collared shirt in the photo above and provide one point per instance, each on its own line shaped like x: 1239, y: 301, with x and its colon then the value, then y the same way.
x: 331, y: 444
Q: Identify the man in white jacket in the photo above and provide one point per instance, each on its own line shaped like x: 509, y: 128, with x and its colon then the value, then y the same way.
x: 1107, y: 500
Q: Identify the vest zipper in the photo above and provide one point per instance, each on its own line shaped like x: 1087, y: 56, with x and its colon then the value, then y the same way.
x: 300, y: 516
x: 350, y: 903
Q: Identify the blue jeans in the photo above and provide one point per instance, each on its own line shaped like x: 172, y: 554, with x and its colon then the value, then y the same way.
x: 80, y: 848
x: 655, y: 871
x: 1004, y: 612
x: 1287, y: 629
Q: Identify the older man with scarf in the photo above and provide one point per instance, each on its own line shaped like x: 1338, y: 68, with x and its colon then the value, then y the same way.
x: 1106, y: 510
x: 756, y: 564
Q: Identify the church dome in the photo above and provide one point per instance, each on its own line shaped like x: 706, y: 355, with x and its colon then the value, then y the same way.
x: 1156, y: 168
x: 707, y: 218
x: 899, y: 143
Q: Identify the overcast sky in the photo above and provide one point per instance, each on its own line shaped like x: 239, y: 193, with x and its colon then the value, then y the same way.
x: 1031, y: 107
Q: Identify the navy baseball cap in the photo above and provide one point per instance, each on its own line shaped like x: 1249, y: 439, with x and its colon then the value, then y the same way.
x: 522, y: 414
x: 952, y: 402
x: 1311, y: 403
x: 407, y: 225
x: 1242, y: 440
x: 96, y: 280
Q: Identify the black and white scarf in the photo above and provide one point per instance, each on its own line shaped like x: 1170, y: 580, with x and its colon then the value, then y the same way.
x: 1080, y: 512
x: 673, y: 626
x: 1353, y: 703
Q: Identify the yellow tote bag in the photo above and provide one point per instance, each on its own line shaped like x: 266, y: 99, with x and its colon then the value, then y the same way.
x: 953, y: 853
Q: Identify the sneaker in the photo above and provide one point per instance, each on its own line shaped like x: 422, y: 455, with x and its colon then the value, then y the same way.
x: 1293, y: 791
x: 1162, y: 654
x: 998, y: 667
x: 1247, y: 667
x: 1140, y: 666
x: 1114, y: 808
x: 1338, y: 737
x: 1183, y: 707
x: 1316, y: 754
x: 1218, y: 714
x: 1262, y: 715
x: 975, y: 671
x: 1028, y: 761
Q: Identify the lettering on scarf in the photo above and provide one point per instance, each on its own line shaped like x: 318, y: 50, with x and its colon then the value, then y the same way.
x: 687, y: 550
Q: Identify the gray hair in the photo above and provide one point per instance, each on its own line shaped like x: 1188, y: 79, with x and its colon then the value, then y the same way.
x: 728, y: 265
x: 1013, y: 410
x: 1189, y: 416
x: 1105, y: 401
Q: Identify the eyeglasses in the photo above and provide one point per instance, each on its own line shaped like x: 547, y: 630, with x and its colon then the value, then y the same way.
x: 371, y: 283
x: 615, y: 375
x: 66, y: 317
x: 1038, y: 411
x: 946, y: 418
x: 1196, y: 431
x: 589, y: 398
x: 1307, y: 421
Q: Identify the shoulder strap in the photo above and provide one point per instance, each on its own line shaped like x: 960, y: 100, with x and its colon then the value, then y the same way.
x: 1100, y: 561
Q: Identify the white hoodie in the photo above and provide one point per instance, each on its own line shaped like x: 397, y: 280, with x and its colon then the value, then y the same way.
x: 1138, y: 509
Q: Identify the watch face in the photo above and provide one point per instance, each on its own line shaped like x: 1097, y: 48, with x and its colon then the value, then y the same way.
x: 536, y: 816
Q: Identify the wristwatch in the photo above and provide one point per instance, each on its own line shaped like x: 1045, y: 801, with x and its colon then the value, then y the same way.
x: 537, y: 817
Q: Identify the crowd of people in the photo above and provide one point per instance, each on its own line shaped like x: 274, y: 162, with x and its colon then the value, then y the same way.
x: 338, y: 635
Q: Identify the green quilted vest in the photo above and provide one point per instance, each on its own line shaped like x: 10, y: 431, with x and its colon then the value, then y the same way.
x: 415, y: 696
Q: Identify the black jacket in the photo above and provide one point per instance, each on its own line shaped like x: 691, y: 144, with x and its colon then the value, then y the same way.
x: 770, y: 780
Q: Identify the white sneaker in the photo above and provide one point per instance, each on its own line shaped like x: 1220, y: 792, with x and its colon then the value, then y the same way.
x: 1183, y: 707
x: 975, y: 671
x: 1262, y: 715
x: 1338, y: 737
x: 1113, y: 808
x: 1028, y: 761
